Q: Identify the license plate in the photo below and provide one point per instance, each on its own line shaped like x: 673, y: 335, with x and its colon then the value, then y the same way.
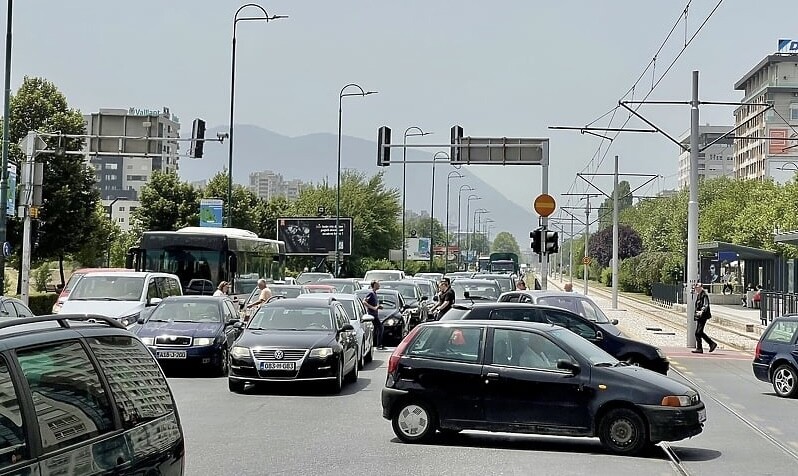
x: 278, y: 365
x: 171, y: 354
x: 702, y: 415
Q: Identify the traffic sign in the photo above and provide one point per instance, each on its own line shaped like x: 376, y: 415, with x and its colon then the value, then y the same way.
x: 6, y: 249
x: 586, y: 260
x: 545, y: 205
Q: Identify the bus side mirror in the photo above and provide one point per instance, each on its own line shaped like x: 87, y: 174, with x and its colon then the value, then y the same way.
x: 232, y: 263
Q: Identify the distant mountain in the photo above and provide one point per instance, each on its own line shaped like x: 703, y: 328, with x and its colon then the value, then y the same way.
x: 313, y: 158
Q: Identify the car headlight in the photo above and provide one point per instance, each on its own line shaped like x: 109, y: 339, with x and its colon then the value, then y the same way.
x: 391, y: 321
x: 130, y: 319
x: 321, y: 352
x: 676, y: 401
x: 148, y: 340
x: 239, y: 352
x: 200, y: 341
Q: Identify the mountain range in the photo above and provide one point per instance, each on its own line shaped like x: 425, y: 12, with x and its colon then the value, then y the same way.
x: 313, y: 158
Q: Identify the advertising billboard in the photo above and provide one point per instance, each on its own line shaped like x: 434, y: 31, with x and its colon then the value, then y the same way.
x: 311, y: 236
x: 417, y: 249
x: 210, y: 214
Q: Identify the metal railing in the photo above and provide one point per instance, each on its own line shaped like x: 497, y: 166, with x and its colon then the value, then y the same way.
x: 667, y: 294
x: 775, y: 304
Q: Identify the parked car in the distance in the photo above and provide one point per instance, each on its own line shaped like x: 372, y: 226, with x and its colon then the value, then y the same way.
x: 630, y: 351
x: 384, y: 275
x: 82, y: 395
x: 414, y: 300
x: 191, y: 332
x: 776, y: 356
x: 526, y: 377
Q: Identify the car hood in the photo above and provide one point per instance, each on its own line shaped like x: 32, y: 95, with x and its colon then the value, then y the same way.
x: 193, y: 329
x: 103, y: 308
x: 649, y: 386
x: 286, y: 339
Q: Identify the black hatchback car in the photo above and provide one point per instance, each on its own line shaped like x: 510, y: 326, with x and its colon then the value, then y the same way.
x: 296, y: 340
x: 630, y: 351
x: 526, y: 377
x: 82, y: 395
x: 775, y: 356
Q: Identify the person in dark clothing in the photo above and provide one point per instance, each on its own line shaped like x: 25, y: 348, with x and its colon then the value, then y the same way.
x: 445, y: 299
x: 702, y: 315
x: 372, y: 304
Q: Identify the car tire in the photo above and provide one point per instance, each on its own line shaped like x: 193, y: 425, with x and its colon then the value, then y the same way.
x: 413, y: 421
x: 785, y: 381
x: 224, y: 363
x: 338, y: 383
x: 351, y: 377
x: 235, y: 386
x: 623, y: 431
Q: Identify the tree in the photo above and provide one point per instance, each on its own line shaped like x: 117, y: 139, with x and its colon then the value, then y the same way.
x: 420, y: 223
x: 96, y: 247
x: 629, y: 244
x: 272, y: 210
x: 248, y: 209
x: 68, y: 213
x: 166, y: 204
x: 624, y: 202
x: 505, y: 243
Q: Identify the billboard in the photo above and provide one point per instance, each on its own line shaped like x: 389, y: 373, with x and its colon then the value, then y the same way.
x: 311, y: 236
x: 788, y: 46
x: 417, y: 249
x: 210, y: 214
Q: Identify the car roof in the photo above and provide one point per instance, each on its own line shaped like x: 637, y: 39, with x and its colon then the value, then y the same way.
x: 287, y: 286
x: 524, y: 325
x: 126, y: 274
x: 787, y: 317
x: 300, y: 303
x: 492, y: 275
x: 475, y: 281
x: 541, y: 293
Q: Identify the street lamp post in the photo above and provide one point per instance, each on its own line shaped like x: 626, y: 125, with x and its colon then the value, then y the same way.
x: 468, y: 188
x: 4, y: 164
x: 477, y: 214
x: 418, y: 132
x: 468, y: 213
x: 446, y: 251
x: 438, y: 155
x: 111, y: 219
x: 341, y: 97
x: 265, y: 17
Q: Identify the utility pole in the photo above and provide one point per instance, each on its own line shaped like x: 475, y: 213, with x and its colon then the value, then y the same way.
x: 692, y: 215
x: 615, y: 232
x: 30, y: 201
x: 4, y: 191
x: 587, y: 239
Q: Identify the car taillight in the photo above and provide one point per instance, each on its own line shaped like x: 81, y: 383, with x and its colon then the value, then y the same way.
x: 393, y: 361
x: 758, y: 349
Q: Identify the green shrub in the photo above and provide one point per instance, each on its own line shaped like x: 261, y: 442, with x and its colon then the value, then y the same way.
x: 606, y: 276
x: 42, y: 304
x: 6, y: 284
x: 41, y: 277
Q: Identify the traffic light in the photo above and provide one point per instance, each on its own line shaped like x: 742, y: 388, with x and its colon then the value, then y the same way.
x: 383, y: 152
x: 552, y: 242
x: 536, y: 242
x: 197, y: 139
x: 456, y: 138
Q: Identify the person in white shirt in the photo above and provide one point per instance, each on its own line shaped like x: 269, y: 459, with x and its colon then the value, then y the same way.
x: 223, y: 289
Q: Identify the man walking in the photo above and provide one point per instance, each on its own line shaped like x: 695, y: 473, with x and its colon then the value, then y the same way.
x: 372, y: 304
x: 702, y: 315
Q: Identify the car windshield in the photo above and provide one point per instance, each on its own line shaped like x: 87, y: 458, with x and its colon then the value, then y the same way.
x: 279, y: 318
x: 387, y: 302
x: 344, y: 287
x: 187, y: 311
x: 427, y: 289
x: 505, y: 282
x: 476, y: 291
x: 289, y: 292
x: 382, y: 276
x: 306, y: 278
x: 408, y: 291
x: 584, y: 347
x: 108, y: 288
x: 577, y: 305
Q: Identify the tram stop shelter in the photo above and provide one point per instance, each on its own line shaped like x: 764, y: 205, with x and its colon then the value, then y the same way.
x: 746, y: 264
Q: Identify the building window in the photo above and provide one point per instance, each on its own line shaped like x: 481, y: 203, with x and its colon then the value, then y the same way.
x: 130, y: 167
x: 121, y: 209
x: 110, y: 166
x: 794, y: 112
x: 133, y: 209
x: 120, y: 220
x: 139, y: 178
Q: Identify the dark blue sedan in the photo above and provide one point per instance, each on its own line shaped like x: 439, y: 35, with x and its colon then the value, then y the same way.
x: 775, y: 358
x: 191, y: 331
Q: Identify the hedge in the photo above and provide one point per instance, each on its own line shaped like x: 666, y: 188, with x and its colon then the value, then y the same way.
x: 41, y: 304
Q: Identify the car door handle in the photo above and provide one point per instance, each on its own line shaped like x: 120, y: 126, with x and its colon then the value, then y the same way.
x: 491, y: 376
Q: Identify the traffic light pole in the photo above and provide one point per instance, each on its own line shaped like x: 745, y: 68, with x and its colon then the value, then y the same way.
x: 544, y: 223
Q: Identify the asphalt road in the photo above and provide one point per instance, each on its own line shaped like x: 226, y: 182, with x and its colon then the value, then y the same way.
x: 290, y: 429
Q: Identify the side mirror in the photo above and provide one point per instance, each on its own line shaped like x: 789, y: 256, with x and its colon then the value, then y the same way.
x: 347, y: 328
x: 367, y: 318
x: 614, y: 322
x: 154, y: 301
x: 564, y: 364
x: 238, y: 324
x: 140, y: 320
x: 599, y: 335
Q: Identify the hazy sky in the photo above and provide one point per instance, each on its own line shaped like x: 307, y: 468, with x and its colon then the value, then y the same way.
x: 498, y: 68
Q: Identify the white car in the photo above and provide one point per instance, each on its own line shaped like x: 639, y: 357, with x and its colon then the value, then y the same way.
x: 384, y: 275
x: 358, y: 317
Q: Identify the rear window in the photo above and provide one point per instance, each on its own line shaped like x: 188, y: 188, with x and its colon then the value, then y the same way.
x: 781, y: 332
x: 448, y: 343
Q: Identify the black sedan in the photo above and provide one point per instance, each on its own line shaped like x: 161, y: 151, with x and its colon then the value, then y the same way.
x: 526, y: 377
x: 191, y: 330
x: 414, y: 299
x: 630, y: 351
x: 392, y: 314
x: 775, y: 360
x: 296, y: 340
x: 570, y: 301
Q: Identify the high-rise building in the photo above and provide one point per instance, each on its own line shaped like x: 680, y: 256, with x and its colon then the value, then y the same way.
x: 773, y: 81
x: 715, y: 161
x: 268, y: 185
x: 124, y: 157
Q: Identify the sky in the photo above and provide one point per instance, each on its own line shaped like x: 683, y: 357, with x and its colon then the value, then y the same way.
x: 509, y: 68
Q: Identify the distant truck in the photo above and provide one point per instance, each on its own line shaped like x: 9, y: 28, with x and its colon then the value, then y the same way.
x: 504, y: 263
